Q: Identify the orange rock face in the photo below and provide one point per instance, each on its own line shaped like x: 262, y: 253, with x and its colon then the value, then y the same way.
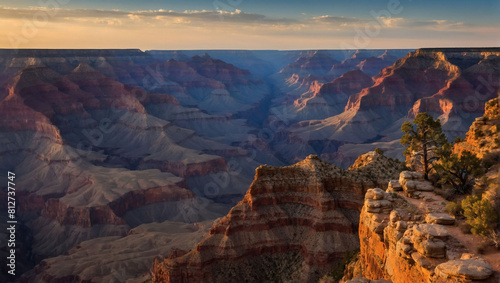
x: 398, y: 245
x: 294, y: 222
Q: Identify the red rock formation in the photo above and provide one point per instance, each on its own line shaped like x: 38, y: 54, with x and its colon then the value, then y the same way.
x: 364, y: 61
x: 293, y: 222
x: 463, y: 98
x: 420, y: 74
x: 482, y: 138
x: 349, y: 83
x: 45, y: 116
x: 317, y: 63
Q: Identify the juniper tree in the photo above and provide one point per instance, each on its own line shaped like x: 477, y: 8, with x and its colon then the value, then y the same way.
x: 424, y: 138
x: 459, y: 170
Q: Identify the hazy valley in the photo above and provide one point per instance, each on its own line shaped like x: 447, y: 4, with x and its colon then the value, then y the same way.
x: 228, y: 164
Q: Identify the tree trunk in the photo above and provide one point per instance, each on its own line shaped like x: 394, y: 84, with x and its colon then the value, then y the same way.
x: 426, y: 163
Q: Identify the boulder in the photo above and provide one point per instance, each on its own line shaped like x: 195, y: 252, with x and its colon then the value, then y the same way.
x: 377, y: 201
x: 424, y: 186
x: 378, y: 206
x: 428, y: 230
x: 376, y: 193
x: 428, y: 240
x: 405, y: 175
x: 414, y: 181
x: 394, y: 216
x: 439, y: 218
x: 394, y: 186
x: 464, y: 269
x: 417, y: 175
x: 434, y: 248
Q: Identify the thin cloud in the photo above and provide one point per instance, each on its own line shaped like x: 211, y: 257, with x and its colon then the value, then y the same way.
x: 337, y: 19
x: 412, y: 23
x: 210, y: 17
x: 235, y: 29
x: 236, y: 16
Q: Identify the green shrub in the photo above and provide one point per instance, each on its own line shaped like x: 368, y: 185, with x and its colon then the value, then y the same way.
x: 480, y: 214
x: 379, y: 151
x: 453, y: 208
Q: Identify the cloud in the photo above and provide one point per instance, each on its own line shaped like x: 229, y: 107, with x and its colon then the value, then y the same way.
x: 205, y: 17
x: 236, y: 16
x: 66, y: 28
x: 337, y: 20
x: 413, y: 23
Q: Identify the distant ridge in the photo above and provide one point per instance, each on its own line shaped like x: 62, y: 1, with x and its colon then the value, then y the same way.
x: 71, y: 52
x: 462, y: 49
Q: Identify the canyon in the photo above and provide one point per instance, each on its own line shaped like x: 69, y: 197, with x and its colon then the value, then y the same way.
x: 113, y: 146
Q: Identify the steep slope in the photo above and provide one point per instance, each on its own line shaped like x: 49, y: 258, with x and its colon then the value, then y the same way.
x: 368, y: 61
x: 482, y: 139
x: 293, y: 224
x: 400, y: 92
x: 406, y: 236
x: 323, y: 99
x: 463, y: 99
x: 316, y: 63
x: 377, y: 167
x: 91, y: 161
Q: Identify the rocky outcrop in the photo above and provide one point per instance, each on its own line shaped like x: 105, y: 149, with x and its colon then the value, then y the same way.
x: 402, y: 242
x: 293, y: 224
x: 482, y: 137
x: 467, y: 268
x: 377, y: 167
x: 413, y: 183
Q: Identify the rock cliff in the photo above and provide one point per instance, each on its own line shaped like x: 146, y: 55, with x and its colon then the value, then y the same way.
x: 435, y: 81
x: 405, y: 236
x: 293, y: 224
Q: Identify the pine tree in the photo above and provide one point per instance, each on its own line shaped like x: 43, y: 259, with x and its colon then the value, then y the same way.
x: 423, y: 138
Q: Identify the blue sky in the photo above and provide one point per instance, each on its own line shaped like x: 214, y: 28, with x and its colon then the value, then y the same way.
x: 249, y: 24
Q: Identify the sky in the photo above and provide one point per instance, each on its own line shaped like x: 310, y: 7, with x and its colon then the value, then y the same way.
x: 249, y: 24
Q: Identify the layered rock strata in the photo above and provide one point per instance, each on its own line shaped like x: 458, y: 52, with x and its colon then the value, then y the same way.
x: 404, y: 243
x: 293, y: 224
